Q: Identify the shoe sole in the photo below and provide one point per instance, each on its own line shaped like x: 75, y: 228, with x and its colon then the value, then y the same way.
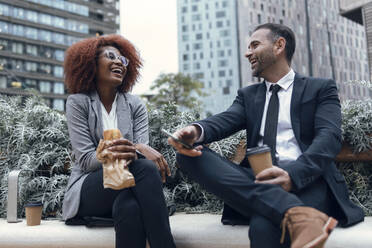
x: 320, y: 240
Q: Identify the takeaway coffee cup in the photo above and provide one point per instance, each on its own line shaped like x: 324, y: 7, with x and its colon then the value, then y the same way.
x: 259, y: 158
x: 33, y: 213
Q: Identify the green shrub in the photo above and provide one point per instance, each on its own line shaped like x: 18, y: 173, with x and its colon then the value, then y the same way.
x: 34, y: 138
x: 357, y: 132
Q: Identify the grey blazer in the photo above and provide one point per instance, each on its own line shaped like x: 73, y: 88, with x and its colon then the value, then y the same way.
x: 84, y: 120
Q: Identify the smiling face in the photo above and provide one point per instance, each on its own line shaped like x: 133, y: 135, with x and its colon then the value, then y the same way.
x: 110, y: 68
x: 261, y: 52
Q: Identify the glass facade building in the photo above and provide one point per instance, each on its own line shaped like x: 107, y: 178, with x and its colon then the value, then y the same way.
x: 328, y: 45
x: 208, y: 49
x: 34, y: 35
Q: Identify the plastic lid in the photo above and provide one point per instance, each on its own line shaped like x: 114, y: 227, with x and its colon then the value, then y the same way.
x: 258, y: 149
x: 34, y: 204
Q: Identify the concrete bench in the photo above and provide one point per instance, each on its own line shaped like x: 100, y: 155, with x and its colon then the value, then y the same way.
x: 189, y: 231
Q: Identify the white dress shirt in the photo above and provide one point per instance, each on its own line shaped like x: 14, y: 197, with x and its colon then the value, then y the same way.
x: 109, y: 120
x: 287, y: 148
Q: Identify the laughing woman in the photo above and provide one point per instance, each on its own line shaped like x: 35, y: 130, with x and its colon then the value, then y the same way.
x: 99, y: 73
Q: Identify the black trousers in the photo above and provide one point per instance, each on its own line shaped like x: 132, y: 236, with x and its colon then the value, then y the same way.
x: 264, y: 204
x: 139, y: 212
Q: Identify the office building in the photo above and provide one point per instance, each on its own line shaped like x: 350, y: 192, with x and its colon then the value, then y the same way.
x: 208, y: 49
x: 328, y: 45
x: 34, y: 35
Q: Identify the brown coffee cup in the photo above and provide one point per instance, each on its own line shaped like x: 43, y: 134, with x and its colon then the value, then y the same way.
x: 33, y: 213
x: 259, y: 158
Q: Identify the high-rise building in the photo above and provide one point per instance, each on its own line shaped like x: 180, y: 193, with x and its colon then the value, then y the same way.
x: 328, y: 45
x: 34, y: 35
x: 208, y: 49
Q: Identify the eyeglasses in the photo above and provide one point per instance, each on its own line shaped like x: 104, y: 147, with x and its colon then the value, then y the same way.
x: 112, y: 56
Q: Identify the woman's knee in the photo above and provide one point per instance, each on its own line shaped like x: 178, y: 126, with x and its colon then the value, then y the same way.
x: 126, y: 208
x: 145, y: 166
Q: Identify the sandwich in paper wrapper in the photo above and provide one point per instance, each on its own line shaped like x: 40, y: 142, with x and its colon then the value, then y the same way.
x: 115, y: 171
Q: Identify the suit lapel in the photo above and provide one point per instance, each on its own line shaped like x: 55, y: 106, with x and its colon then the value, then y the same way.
x: 259, y: 104
x: 299, y: 84
x: 124, y: 116
x: 98, y: 128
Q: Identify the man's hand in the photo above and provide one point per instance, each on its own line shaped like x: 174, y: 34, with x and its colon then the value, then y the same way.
x: 153, y: 155
x: 188, y: 134
x: 275, y: 175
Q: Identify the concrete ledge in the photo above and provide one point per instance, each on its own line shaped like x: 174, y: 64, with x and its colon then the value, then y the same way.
x: 190, y: 231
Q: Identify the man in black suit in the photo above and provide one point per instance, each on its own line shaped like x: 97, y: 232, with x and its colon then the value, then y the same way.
x: 299, y: 118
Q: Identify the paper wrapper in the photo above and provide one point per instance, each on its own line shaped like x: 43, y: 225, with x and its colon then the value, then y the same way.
x: 115, y: 171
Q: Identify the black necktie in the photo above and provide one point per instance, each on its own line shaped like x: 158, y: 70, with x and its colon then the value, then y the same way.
x: 271, y: 124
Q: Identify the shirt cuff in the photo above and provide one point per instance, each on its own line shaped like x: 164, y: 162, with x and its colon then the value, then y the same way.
x: 201, y: 137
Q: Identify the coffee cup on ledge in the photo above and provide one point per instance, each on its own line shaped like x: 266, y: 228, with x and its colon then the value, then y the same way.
x: 259, y: 158
x: 33, y: 213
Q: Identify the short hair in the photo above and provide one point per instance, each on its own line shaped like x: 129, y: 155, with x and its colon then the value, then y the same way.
x: 80, y: 64
x: 279, y: 30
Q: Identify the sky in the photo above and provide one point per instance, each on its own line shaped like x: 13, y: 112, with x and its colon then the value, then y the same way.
x: 152, y: 27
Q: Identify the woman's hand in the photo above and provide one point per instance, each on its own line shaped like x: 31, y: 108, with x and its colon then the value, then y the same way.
x: 122, y: 149
x: 153, y: 155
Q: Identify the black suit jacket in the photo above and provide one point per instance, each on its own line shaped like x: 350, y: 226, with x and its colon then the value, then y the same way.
x: 316, y: 122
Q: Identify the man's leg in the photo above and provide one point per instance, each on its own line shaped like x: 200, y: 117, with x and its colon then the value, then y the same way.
x: 235, y: 186
x: 263, y: 233
x: 307, y: 226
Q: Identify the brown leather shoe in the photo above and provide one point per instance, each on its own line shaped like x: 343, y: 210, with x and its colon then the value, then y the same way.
x: 308, y: 227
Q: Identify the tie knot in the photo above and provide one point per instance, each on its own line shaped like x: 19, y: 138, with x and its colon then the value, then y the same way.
x: 275, y: 88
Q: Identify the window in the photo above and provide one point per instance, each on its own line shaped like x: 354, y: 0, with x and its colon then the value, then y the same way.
x: 31, y: 83
x: 184, y: 9
x: 59, y: 104
x: 58, y: 71
x: 45, y: 68
x: 17, y: 65
x: 222, y: 63
x: 199, y: 36
x: 31, y: 66
x: 3, y: 82
x: 225, y: 33
x: 220, y: 14
x: 219, y: 24
x: 221, y: 73
x: 18, y: 13
x: 198, y: 46
x: 58, y: 22
x: 184, y: 28
x: 194, y: 8
x: 58, y: 38
x: 18, y: 30
x: 58, y: 88
x: 31, y: 33
x: 17, y: 47
x: 31, y: 50
x: 45, y: 19
x: 31, y: 15
x: 44, y: 86
x: 59, y: 55
x: 195, y: 17
x: 45, y: 35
